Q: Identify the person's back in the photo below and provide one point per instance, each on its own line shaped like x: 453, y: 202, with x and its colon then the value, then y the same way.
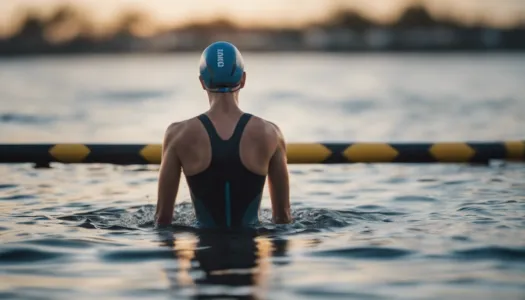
x: 225, y: 154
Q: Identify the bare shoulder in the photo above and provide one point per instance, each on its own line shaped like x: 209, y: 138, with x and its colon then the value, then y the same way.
x: 172, y: 131
x: 270, y: 129
x: 179, y: 131
x: 276, y: 129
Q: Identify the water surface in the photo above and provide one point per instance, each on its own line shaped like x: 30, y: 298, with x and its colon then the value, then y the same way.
x: 376, y: 231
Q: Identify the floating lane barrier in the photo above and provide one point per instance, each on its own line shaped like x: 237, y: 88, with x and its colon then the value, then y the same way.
x: 297, y: 153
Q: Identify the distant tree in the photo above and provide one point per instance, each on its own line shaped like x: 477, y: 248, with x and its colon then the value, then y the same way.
x: 415, y: 16
x: 29, y: 38
x: 219, y: 24
x: 64, y: 14
x: 65, y: 23
x: 350, y: 19
x: 130, y: 23
x: 32, y: 27
x: 222, y: 24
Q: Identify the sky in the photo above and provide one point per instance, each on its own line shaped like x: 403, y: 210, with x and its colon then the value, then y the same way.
x: 290, y: 13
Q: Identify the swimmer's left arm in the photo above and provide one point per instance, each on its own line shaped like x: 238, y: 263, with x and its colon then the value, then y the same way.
x: 169, y: 179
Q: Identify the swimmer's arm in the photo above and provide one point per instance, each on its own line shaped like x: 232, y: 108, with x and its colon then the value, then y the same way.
x: 169, y: 179
x: 278, y: 183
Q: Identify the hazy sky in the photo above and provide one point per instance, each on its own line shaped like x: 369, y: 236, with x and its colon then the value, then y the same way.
x: 269, y: 12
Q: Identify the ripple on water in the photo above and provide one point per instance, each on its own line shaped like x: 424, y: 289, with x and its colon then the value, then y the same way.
x: 322, y: 218
x: 327, y: 292
x: 370, y: 207
x: 24, y: 255
x: 60, y: 242
x: 394, y: 180
x: 19, y: 118
x: 414, y: 199
x: 427, y: 179
x: 346, y: 196
x: 19, y: 197
x: 364, y: 253
x: 456, y: 182
x: 137, y: 255
x: 319, y: 193
x: 7, y: 186
x: 379, y: 210
x: 485, y: 221
x: 476, y: 210
x: 72, y: 218
x: 297, y: 172
x: 305, y: 219
x: 78, y: 205
x: 330, y: 181
x: 460, y: 238
x: 87, y: 224
x: 492, y: 252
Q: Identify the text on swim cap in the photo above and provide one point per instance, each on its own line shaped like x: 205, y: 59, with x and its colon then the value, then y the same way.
x: 220, y: 58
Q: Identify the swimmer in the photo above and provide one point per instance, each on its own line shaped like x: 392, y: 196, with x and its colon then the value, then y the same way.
x: 225, y: 154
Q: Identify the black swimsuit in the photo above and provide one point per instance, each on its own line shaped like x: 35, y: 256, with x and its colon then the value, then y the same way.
x: 226, y: 194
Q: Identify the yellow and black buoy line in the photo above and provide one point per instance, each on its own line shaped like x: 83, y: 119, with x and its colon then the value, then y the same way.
x: 297, y: 153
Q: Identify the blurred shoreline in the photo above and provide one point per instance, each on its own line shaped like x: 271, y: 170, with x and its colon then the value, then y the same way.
x: 67, y: 32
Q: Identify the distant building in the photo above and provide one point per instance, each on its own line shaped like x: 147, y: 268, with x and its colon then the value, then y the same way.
x: 378, y: 38
x: 491, y: 38
x: 316, y: 38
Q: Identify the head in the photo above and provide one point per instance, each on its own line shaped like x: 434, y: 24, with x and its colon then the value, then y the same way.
x: 222, y: 68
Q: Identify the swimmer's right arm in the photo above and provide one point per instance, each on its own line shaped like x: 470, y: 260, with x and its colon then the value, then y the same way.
x: 169, y: 179
x: 278, y: 183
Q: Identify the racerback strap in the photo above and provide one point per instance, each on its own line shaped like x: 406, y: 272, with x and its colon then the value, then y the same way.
x: 237, y: 132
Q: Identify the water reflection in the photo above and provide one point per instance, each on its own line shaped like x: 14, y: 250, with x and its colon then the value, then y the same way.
x: 219, y: 264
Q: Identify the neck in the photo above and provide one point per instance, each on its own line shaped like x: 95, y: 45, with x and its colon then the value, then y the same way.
x: 224, y: 103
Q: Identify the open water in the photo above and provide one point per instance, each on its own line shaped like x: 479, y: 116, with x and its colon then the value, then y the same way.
x: 361, y: 231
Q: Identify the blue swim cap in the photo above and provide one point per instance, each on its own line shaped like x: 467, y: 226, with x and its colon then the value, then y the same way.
x: 221, y: 67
